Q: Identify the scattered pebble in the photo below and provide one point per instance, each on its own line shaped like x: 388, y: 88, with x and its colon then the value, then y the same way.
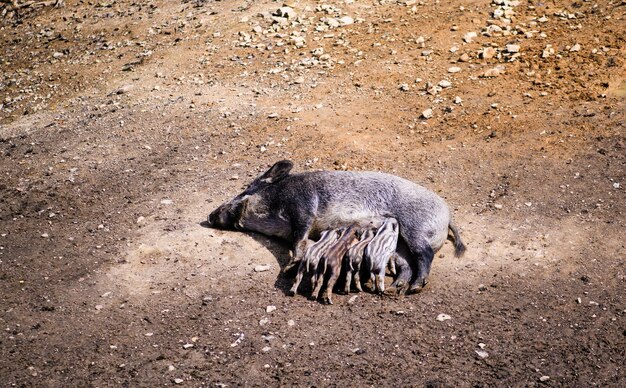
x: 238, y: 340
x: 575, y: 47
x: 346, y: 20
x: 178, y: 381
x: 443, y: 317
x: 495, y: 72
x: 428, y: 113
x: 543, y: 379
x: 269, y: 309
x: 458, y: 100
x: 482, y: 353
x: 454, y: 69
x: 262, y: 268
x: 468, y: 37
x: 488, y: 53
x: 187, y: 346
x: 512, y: 48
x: 445, y: 84
x: 166, y: 202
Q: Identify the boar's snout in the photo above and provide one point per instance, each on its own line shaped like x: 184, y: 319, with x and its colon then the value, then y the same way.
x: 225, y: 216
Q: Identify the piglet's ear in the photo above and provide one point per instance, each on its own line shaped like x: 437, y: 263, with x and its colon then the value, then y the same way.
x: 277, y: 172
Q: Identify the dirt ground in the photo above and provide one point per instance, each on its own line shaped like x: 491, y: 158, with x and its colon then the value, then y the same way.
x: 123, y: 124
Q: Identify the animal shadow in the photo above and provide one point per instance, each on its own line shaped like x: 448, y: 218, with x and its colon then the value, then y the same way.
x: 277, y: 247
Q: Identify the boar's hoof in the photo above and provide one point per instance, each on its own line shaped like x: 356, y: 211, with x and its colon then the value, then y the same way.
x: 391, y: 291
x: 417, y: 287
x: 400, y: 286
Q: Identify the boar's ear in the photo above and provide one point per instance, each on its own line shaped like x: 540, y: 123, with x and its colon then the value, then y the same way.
x: 277, y: 172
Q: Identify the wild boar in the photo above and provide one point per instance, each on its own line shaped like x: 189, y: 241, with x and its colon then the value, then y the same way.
x: 294, y: 206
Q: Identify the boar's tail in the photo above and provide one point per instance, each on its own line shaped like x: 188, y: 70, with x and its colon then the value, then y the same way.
x: 459, y: 247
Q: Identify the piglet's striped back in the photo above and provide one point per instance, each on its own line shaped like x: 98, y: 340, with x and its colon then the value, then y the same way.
x: 355, y: 253
x: 383, y: 245
x: 315, y: 252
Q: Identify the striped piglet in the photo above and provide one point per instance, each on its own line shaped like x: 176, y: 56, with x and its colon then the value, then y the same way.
x: 330, y: 264
x: 314, y: 252
x: 353, y: 259
x: 380, y: 250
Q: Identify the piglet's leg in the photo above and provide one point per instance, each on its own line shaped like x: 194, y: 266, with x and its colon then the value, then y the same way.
x: 348, y: 269
x: 357, y: 280
x: 332, y: 279
x: 296, y: 283
x: 319, y: 279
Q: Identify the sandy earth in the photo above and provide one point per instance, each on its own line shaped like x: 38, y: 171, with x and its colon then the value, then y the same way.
x: 123, y: 124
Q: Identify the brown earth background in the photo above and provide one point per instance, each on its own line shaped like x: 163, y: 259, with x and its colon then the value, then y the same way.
x: 123, y: 124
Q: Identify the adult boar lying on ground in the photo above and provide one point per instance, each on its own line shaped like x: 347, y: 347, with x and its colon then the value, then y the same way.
x: 296, y: 206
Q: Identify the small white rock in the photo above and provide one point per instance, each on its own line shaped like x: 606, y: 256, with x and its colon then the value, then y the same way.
x: 454, y: 69
x: 269, y: 309
x: 575, y: 47
x: 458, y: 100
x: 178, y: 381
x: 166, y: 202
x: 346, y: 20
x: 291, y: 322
x: 187, y: 346
x: 443, y: 317
x: 428, y: 113
x: 467, y: 38
x: 512, y: 48
x: 262, y: 268
x: 544, y: 378
x: 482, y: 353
x: 445, y: 84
